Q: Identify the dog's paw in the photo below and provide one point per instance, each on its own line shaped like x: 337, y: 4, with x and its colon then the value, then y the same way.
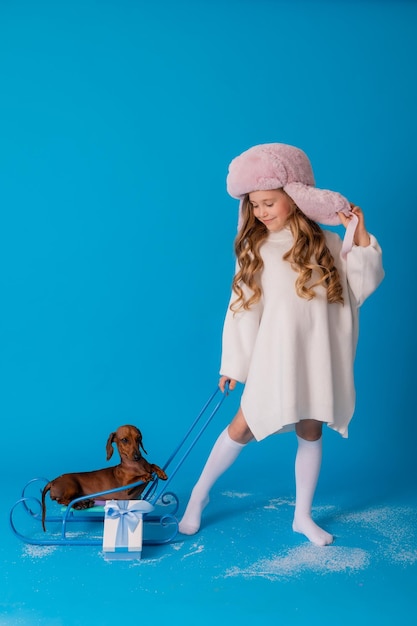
x: 84, y: 504
x: 159, y: 472
x: 146, y: 478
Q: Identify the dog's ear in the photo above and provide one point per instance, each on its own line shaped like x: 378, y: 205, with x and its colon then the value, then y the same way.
x: 141, y: 446
x: 109, y: 446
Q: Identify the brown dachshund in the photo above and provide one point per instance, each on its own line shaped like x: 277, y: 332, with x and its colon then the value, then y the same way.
x: 133, y: 468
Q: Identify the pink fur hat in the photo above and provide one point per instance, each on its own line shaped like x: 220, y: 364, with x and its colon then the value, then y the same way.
x: 280, y: 166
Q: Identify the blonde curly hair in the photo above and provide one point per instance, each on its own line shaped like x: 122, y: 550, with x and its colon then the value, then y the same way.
x: 309, y: 253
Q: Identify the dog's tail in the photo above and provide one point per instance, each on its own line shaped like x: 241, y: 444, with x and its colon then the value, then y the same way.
x: 44, y: 492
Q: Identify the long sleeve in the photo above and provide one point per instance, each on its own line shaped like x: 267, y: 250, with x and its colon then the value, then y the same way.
x: 364, y: 270
x: 239, y: 335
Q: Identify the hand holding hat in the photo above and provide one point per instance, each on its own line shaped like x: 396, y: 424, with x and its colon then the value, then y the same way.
x: 361, y: 236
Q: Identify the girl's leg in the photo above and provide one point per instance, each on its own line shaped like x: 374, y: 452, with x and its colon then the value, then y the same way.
x: 225, y: 451
x: 307, y: 470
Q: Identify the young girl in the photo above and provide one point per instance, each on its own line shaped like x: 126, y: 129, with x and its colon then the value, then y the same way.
x: 291, y: 328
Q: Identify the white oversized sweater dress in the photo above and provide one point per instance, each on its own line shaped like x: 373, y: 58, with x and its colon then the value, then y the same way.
x: 294, y: 355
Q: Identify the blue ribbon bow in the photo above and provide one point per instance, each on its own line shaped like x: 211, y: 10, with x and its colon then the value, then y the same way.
x: 129, y: 518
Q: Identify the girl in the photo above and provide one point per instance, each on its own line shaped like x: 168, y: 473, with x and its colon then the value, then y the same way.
x: 291, y: 327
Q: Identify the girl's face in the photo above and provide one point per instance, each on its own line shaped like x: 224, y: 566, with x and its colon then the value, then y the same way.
x: 272, y: 208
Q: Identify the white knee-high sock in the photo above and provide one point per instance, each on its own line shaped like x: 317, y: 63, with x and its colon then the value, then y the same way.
x: 223, y: 454
x: 307, y: 470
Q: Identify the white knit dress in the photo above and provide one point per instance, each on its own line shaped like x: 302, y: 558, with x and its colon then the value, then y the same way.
x: 294, y: 355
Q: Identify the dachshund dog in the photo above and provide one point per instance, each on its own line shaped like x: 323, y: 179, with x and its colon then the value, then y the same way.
x: 133, y: 468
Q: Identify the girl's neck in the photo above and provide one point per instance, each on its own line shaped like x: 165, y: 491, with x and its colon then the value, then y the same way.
x: 280, y: 235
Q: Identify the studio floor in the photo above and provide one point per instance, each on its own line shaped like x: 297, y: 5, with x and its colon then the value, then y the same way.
x: 245, y: 565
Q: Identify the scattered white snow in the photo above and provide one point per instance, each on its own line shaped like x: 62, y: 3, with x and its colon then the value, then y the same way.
x: 394, y: 528
x: 37, y: 552
x: 196, y: 549
x: 326, y: 560
x: 235, y: 494
x: 276, y: 503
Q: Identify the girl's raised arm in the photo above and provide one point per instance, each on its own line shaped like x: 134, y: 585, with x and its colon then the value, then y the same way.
x: 361, y: 237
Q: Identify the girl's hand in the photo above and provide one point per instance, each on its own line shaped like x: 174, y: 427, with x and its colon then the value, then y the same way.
x: 225, y: 379
x: 361, y: 237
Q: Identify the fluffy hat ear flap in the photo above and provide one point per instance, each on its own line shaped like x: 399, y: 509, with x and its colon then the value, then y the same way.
x: 320, y: 205
x: 109, y: 446
x: 323, y: 206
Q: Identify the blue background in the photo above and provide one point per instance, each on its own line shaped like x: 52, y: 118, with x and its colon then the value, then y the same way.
x: 117, y: 124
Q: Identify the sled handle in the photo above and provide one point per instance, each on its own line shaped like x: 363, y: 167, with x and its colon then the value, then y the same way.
x: 191, y: 445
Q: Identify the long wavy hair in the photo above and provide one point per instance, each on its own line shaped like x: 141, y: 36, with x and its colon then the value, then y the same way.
x: 308, y: 254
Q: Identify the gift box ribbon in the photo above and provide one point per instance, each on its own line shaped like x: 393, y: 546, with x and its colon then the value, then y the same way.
x: 129, y: 518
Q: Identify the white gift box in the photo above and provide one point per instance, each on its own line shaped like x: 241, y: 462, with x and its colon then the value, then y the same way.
x: 123, y: 528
